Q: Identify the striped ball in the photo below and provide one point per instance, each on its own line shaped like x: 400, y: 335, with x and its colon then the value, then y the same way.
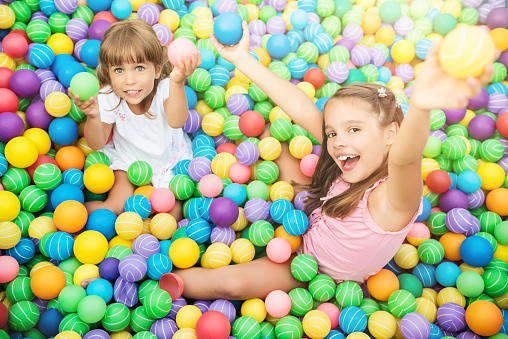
x: 163, y: 226
x: 427, y: 308
x: 322, y: 287
x: 157, y: 303
x: 295, y: 222
x: 215, y: 96
x: 212, y: 124
x: 349, y: 293
x: 401, y: 302
x: 431, y: 251
x: 246, y: 327
x: 23, y: 252
x: 450, y: 295
x: 118, y: 252
x: 33, y: 199
x: 41, y: 56
x: 247, y: 153
x: 23, y: 315
x: 353, y: 32
x: 221, y: 164
x: 282, y: 190
x: 414, y: 326
x: 216, y: 255
x: 219, y: 75
x: 225, y: 307
x: 426, y: 274
x: 382, y: 325
x: 496, y: 282
x: 308, y: 51
x: 300, y: 146
x: 10, y: 234
x: 157, y: 265
x: 459, y: 220
x: 198, y: 168
x: 59, y: 246
x: 492, y: 150
x: 40, y: 226
x: 451, y: 317
x: 316, y: 324
x: 352, y: 319
x: 281, y: 129
x: 132, y: 268
x: 125, y: 292
x: 149, y: 12
x: 129, y: 225
x: 237, y: 104
x: 289, y: 327
x: 231, y: 128
x: 198, y: 230
x: 200, y: 80
x: 224, y: 235
x: 297, y: 67
x: 337, y: 72
x: 19, y: 290
x: 304, y: 267
x: 193, y: 122
x: 57, y: 104
x: 146, y: 245
x: 202, y: 27
x: 164, y: 328
x: 76, y: 29
x: 117, y: 317
x: 242, y: 251
x: 279, y: 208
x: 138, y: 204
x: 97, y: 158
x: 301, y: 301
x: 422, y: 47
x: 139, y: 173
x: 256, y: 209
x: 361, y: 55
x: 47, y: 176
x: 407, y: 256
x: 267, y: 172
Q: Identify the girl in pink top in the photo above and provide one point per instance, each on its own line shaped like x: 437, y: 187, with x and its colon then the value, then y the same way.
x: 366, y: 191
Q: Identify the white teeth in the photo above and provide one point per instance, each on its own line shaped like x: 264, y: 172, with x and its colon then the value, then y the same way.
x: 344, y: 157
x: 132, y: 92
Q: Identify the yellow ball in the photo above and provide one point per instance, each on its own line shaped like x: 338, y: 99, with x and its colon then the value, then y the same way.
x: 121, y: 335
x: 500, y: 37
x: 217, y: 255
x: 300, y: 146
x: 120, y: 241
x: 501, y: 252
x: 385, y: 36
x: 466, y: 268
x: 450, y: 295
x: 502, y: 301
x: 85, y: 271
x: 358, y: 335
x: 202, y: 27
x: 99, y: 178
x: 7, y: 17
x: 136, y: 4
x: 129, y: 225
x: 67, y: 335
x: 241, y: 222
x: 382, y: 325
x: 40, y: 226
x: 170, y: 18
x: 90, y: 247
x: 40, y: 138
x: 9, y: 206
x: 60, y: 44
x: 235, y: 86
x: 253, y: 11
x: 254, y: 308
x: 282, y: 190
x: 163, y: 226
x: 242, y: 250
x: 269, y: 148
x: 57, y: 104
x: 83, y: 146
x: 467, y: 118
x: 407, y: 256
x: 6, y: 61
x: 403, y: 52
x: 451, y: 7
x: 466, y: 51
x: 426, y: 308
x: 188, y: 316
x: 21, y: 152
x: 429, y: 293
x: 316, y: 324
x: 202, y: 11
x: 241, y: 77
x: 146, y: 226
x: 278, y: 113
x: 323, y: 61
x: 221, y: 164
x: 370, y: 23
x: 396, y: 84
x: 185, y: 333
x: 428, y: 165
x: 212, y: 124
x: 492, y: 175
x: 307, y: 88
x: 10, y: 234
x: 184, y: 252
x: 202, y: 108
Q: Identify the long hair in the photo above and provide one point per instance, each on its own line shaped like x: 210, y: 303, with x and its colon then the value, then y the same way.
x: 132, y: 41
x: 386, y: 111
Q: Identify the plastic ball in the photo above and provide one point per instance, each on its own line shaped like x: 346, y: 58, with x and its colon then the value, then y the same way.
x: 11, y: 268
x: 213, y: 325
x: 476, y: 251
x: 25, y: 83
x: 227, y: 28
x: 278, y: 250
x: 184, y: 252
x: 484, y: 318
x: 210, y: 185
x: 48, y: 282
x: 85, y: 85
x: 99, y: 178
x: 21, y: 152
x: 178, y: 48
x: 188, y: 316
x: 277, y: 303
x: 10, y: 207
x: 91, y: 309
x: 70, y: 216
x: 90, y: 247
x: 251, y: 123
x: 382, y: 284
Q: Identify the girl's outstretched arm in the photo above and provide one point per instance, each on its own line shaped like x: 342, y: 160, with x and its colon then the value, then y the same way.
x: 433, y: 89
x: 291, y: 99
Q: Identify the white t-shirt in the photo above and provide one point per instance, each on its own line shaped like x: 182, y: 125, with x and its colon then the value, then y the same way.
x: 138, y: 137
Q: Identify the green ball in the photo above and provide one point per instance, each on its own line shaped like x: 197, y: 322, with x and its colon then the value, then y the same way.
x: 215, y: 96
x: 419, y: 8
x: 85, y: 13
x: 415, y: 36
x: 15, y: 180
x: 280, y: 68
x: 432, y: 148
x: 264, y: 108
x: 329, y: 89
x: 444, y: 23
x: 371, y: 72
x: 118, y: 252
x: 146, y: 287
x: 24, y: 102
x: 488, y: 237
x: 33, y: 199
x: 23, y: 221
x: 33, y: 5
x: 301, y: 301
x: 437, y: 119
x: 475, y: 148
x: 42, y: 243
x: 19, y: 290
x: 322, y: 287
x: 331, y: 25
x: 144, y: 335
x: 72, y: 322
x: 207, y: 44
x: 470, y: 284
x: 497, y: 264
x: 339, y: 53
x: 261, y: 232
x: 499, y: 72
x: 3, y: 335
x: 281, y: 129
x: 47, y: 176
x: 488, y: 221
x: 288, y: 327
x: 267, y: 330
x: 342, y: 7
x: 85, y: 85
x: 482, y: 296
x: 410, y: 283
x: 38, y: 31
x: 187, y: 20
x: 454, y: 147
x: 139, y: 173
x: 308, y: 51
x: 355, y: 77
x: 246, y: 327
x: 304, y: 267
x: 469, y: 16
x: 390, y: 11
x: 117, y: 318
x: 243, y: 12
x: 69, y: 265
x: 424, y: 25
x: 91, y: 309
x: 256, y: 94
x: 70, y: 296
x: 433, y: 198
x: 23, y: 316
x: 444, y: 163
x: 492, y: 150
x: 34, y: 334
x: 325, y: 8
x: 223, y: 111
x: 401, y: 303
x: 180, y: 233
x: 267, y: 171
x: 257, y: 189
x: 200, y: 80
x: 157, y: 303
x: 97, y: 158
x: 430, y: 251
x: 457, y: 130
x: 231, y: 129
x: 352, y: 17
x: 468, y: 162
x: 140, y: 320
x: 182, y: 186
x: 369, y: 306
x: 185, y: 32
x: 496, y: 282
x: 21, y: 11
x: 266, y: 12
x: 57, y: 22
x: 349, y: 293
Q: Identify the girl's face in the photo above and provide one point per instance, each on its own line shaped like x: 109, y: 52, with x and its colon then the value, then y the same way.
x: 134, y: 82
x: 356, y: 141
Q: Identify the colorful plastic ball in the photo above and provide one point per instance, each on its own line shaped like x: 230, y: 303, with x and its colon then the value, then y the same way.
x: 103, y: 221
x: 414, y: 325
x: 121, y: 9
x: 213, y: 325
x: 70, y: 216
x: 47, y: 282
x: 21, y: 152
x: 251, y: 123
x: 278, y: 250
x: 210, y: 185
x: 277, y: 303
x: 476, y: 251
x: 184, y: 252
x: 91, y: 309
x: 278, y: 46
x: 10, y: 207
x: 224, y: 211
x: 484, y: 318
x: 227, y: 28
x: 10, y: 268
x: 99, y: 178
x: 85, y: 85
x: 188, y: 316
x: 90, y: 247
x: 11, y: 126
x: 132, y: 268
x: 295, y: 222
x: 25, y: 83
x: 101, y: 288
x: 382, y: 284
x: 59, y: 246
x: 352, y: 319
x: 178, y: 48
x: 90, y: 52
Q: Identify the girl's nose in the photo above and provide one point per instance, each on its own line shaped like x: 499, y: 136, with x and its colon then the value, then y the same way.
x: 339, y: 141
x: 130, y: 78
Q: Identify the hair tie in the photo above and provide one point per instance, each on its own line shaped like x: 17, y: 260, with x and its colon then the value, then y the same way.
x: 398, y: 102
x: 382, y: 92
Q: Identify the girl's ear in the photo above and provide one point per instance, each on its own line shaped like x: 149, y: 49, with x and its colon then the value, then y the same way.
x: 391, y: 132
x: 158, y: 71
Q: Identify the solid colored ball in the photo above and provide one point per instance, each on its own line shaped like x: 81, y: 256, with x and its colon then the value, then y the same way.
x: 382, y: 284
x: 90, y: 247
x: 10, y: 268
x: 278, y: 250
x: 213, y: 325
x: 25, y: 83
x: 48, y: 282
x: 162, y: 200
x: 99, y: 178
x: 277, y: 303
x: 251, y: 123
x: 187, y: 316
x: 223, y: 212
x: 178, y: 48
x: 91, y: 309
x: 21, y: 152
x: 278, y: 46
x: 85, y: 85
x: 227, y: 28
x: 484, y: 317
x: 11, y: 126
x: 184, y: 252
x: 70, y: 216
x: 476, y: 251
x: 210, y: 185
x: 10, y: 207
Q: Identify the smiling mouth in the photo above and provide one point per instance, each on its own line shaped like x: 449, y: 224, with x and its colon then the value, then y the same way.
x: 348, y: 162
x: 132, y: 93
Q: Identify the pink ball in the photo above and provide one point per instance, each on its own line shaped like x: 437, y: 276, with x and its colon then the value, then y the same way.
x: 178, y: 48
x: 239, y: 173
x: 210, y: 185
x: 14, y: 45
x: 332, y: 312
x: 162, y: 200
x: 419, y: 231
x: 10, y: 268
x: 278, y: 304
x: 308, y: 164
x: 278, y: 250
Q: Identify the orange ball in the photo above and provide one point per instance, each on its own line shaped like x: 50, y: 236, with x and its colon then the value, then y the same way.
x: 497, y: 201
x: 145, y: 191
x: 294, y: 241
x: 47, y: 282
x: 484, y: 318
x: 371, y: 22
x: 382, y: 284
x: 70, y: 216
x: 500, y: 37
x: 451, y: 244
x: 70, y: 157
x: 263, y: 55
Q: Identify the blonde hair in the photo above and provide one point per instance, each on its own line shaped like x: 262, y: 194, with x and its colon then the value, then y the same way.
x: 386, y: 111
x: 131, y: 41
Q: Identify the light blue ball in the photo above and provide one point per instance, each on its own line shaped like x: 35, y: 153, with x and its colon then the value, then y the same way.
x: 320, y: 103
x: 165, y: 244
x: 279, y: 208
x: 101, y: 288
x: 219, y: 75
x: 312, y: 30
x: 48, y: 7
x: 204, y: 208
x: 426, y: 274
x: 182, y: 167
x: 297, y: 67
x: 435, y: 332
x: 384, y: 74
x: 295, y: 222
x: 497, y: 87
x: 323, y: 42
x: 422, y: 48
x: 299, y: 19
x: 235, y: 192
x: 199, y: 230
x: 278, y: 46
x: 192, y: 98
x: 3, y: 165
x: 68, y: 71
x: 195, y: 5
x: 23, y: 252
x: 307, y: 5
x: 448, y: 272
x: 158, y: 264
x: 393, y: 267
x: 138, y: 204
x: 74, y: 177
x: 182, y: 11
x: 121, y: 9
x: 60, y: 246
x: 66, y: 192
x: 103, y: 221
x: 453, y: 177
x: 173, y: 4
x: 224, y: 63
x: 63, y: 131
x: 207, y: 59
x: 334, y: 334
x: 432, y: 13
x: 227, y: 28
x: 202, y: 140
x: 60, y: 60
x: 352, y: 319
x: 192, y: 209
x: 426, y: 210
x: 204, y: 151
x: 41, y: 56
x: 99, y: 5
x: 469, y: 181
x: 90, y: 52
x: 476, y: 251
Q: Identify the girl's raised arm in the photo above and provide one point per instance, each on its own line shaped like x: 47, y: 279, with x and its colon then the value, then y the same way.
x: 291, y: 99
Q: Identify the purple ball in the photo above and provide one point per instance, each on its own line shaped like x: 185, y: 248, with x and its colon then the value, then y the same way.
x: 504, y: 58
x: 484, y: 11
x: 149, y: 12
x: 163, y: 33
x: 504, y: 164
x: 225, y: 235
x: 255, y: 41
x: 132, y: 267
x: 176, y: 306
x: 108, y: 269
x: 453, y: 198
x: 480, y: 100
x: 361, y: 55
x: 472, y: 3
x: 481, y: 127
x: 256, y: 209
x: 49, y: 87
x: 224, y: 6
x: 45, y: 75
x: 348, y: 43
x: 403, y: 26
x: 378, y: 56
x: 279, y: 5
x: 25, y: 83
x: 438, y: 134
x: 221, y: 139
x: 225, y: 307
x: 41, y: 304
x: 257, y: 27
x: 459, y: 220
x: 77, y: 48
x: 294, y: 81
x: 414, y: 326
x: 66, y: 6
x: 476, y: 199
x: 164, y: 328
x: 203, y: 305
x: 497, y: 103
x: 475, y: 228
x: 199, y: 167
x: 96, y: 334
x: 247, y: 153
x: 453, y: 116
x: 451, y: 317
x: 498, y: 18
x: 337, y: 72
x: 405, y: 71
x: 39, y: 16
x: 125, y: 292
x: 193, y: 122
x: 11, y: 126
x: 97, y: 29
x: 276, y: 25
x: 146, y: 245
x: 76, y: 29
x: 223, y: 212
x: 300, y: 200
x: 316, y: 149
x: 353, y: 32
x: 37, y: 116
x: 468, y: 335
x: 237, y: 104
x: 182, y: 223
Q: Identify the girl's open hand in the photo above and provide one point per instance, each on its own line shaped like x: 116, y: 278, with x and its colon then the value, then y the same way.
x: 436, y: 89
x: 186, y: 66
x: 90, y: 108
x: 234, y: 52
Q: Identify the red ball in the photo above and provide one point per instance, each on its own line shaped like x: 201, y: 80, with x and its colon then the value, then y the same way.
x: 213, y: 325
x: 14, y: 45
x: 502, y: 124
x: 390, y: 67
x: 4, y: 316
x: 41, y: 159
x: 5, y: 77
x: 438, y: 181
x: 251, y: 123
x: 9, y: 102
x: 227, y: 147
x: 315, y: 76
x: 105, y: 15
x: 23, y: 34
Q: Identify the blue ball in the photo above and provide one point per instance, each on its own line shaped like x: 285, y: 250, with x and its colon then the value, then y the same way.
x: 59, y: 246
x: 312, y: 30
x: 48, y: 7
x: 426, y: 274
x: 297, y: 67
x: 41, y: 56
x: 320, y: 103
x: 66, y: 192
x: 392, y: 266
x: 102, y: 220
x: 226, y: 64
x: 196, y: 4
x: 235, y: 192
x: 278, y: 46
x: 448, y: 272
x: 138, y: 204
x: 504, y: 328
x: 74, y: 177
x: 63, y: 131
x: 69, y: 70
x: 352, y: 319
x: 121, y: 9
x: 23, y: 252
x: 435, y: 332
x: 99, y: 5
x: 182, y: 167
x: 49, y: 322
x: 108, y: 269
x: 101, y: 288
x: 204, y: 151
x: 182, y: 11
x: 422, y: 47
x: 3, y: 164
x: 199, y: 230
x: 469, y: 181
x: 497, y: 87
x: 192, y: 98
x: 90, y: 52
x: 279, y: 208
x: 219, y: 75
x: 453, y: 177
x: 204, y: 208
x: 227, y: 28
x: 299, y: 19
x: 173, y: 4
x: 158, y: 264
x: 334, y: 334
x: 295, y: 222
x: 324, y: 42
x: 384, y: 74
x: 60, y: 59
x: 193, y: 210
x: 202, y: 140
x: 207, y: 58
x: 426, y: 210
x: 432, y: 13
x: 476, y: 251
x: 165, y: 244
x: 307, y: 5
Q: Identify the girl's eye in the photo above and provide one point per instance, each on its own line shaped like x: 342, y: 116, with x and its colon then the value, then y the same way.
x: 331, y: 135
x: 140, y: 68
x: 118, y: 70
x: 354, y: 130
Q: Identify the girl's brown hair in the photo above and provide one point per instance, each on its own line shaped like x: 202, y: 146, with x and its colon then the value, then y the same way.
x: 131, y: 41
x: 387, y: 111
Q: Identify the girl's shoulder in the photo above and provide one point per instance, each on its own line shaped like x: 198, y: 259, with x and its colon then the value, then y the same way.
x: 107, y: 97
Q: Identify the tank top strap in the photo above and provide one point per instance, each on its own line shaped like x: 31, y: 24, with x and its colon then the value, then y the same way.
x: 363, y: 201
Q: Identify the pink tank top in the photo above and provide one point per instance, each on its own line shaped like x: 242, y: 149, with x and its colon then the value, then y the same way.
x: 353, y: 248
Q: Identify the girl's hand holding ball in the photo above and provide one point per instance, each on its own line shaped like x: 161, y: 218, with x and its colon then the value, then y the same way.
x: 186, y: 65
x: 233, y: 53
